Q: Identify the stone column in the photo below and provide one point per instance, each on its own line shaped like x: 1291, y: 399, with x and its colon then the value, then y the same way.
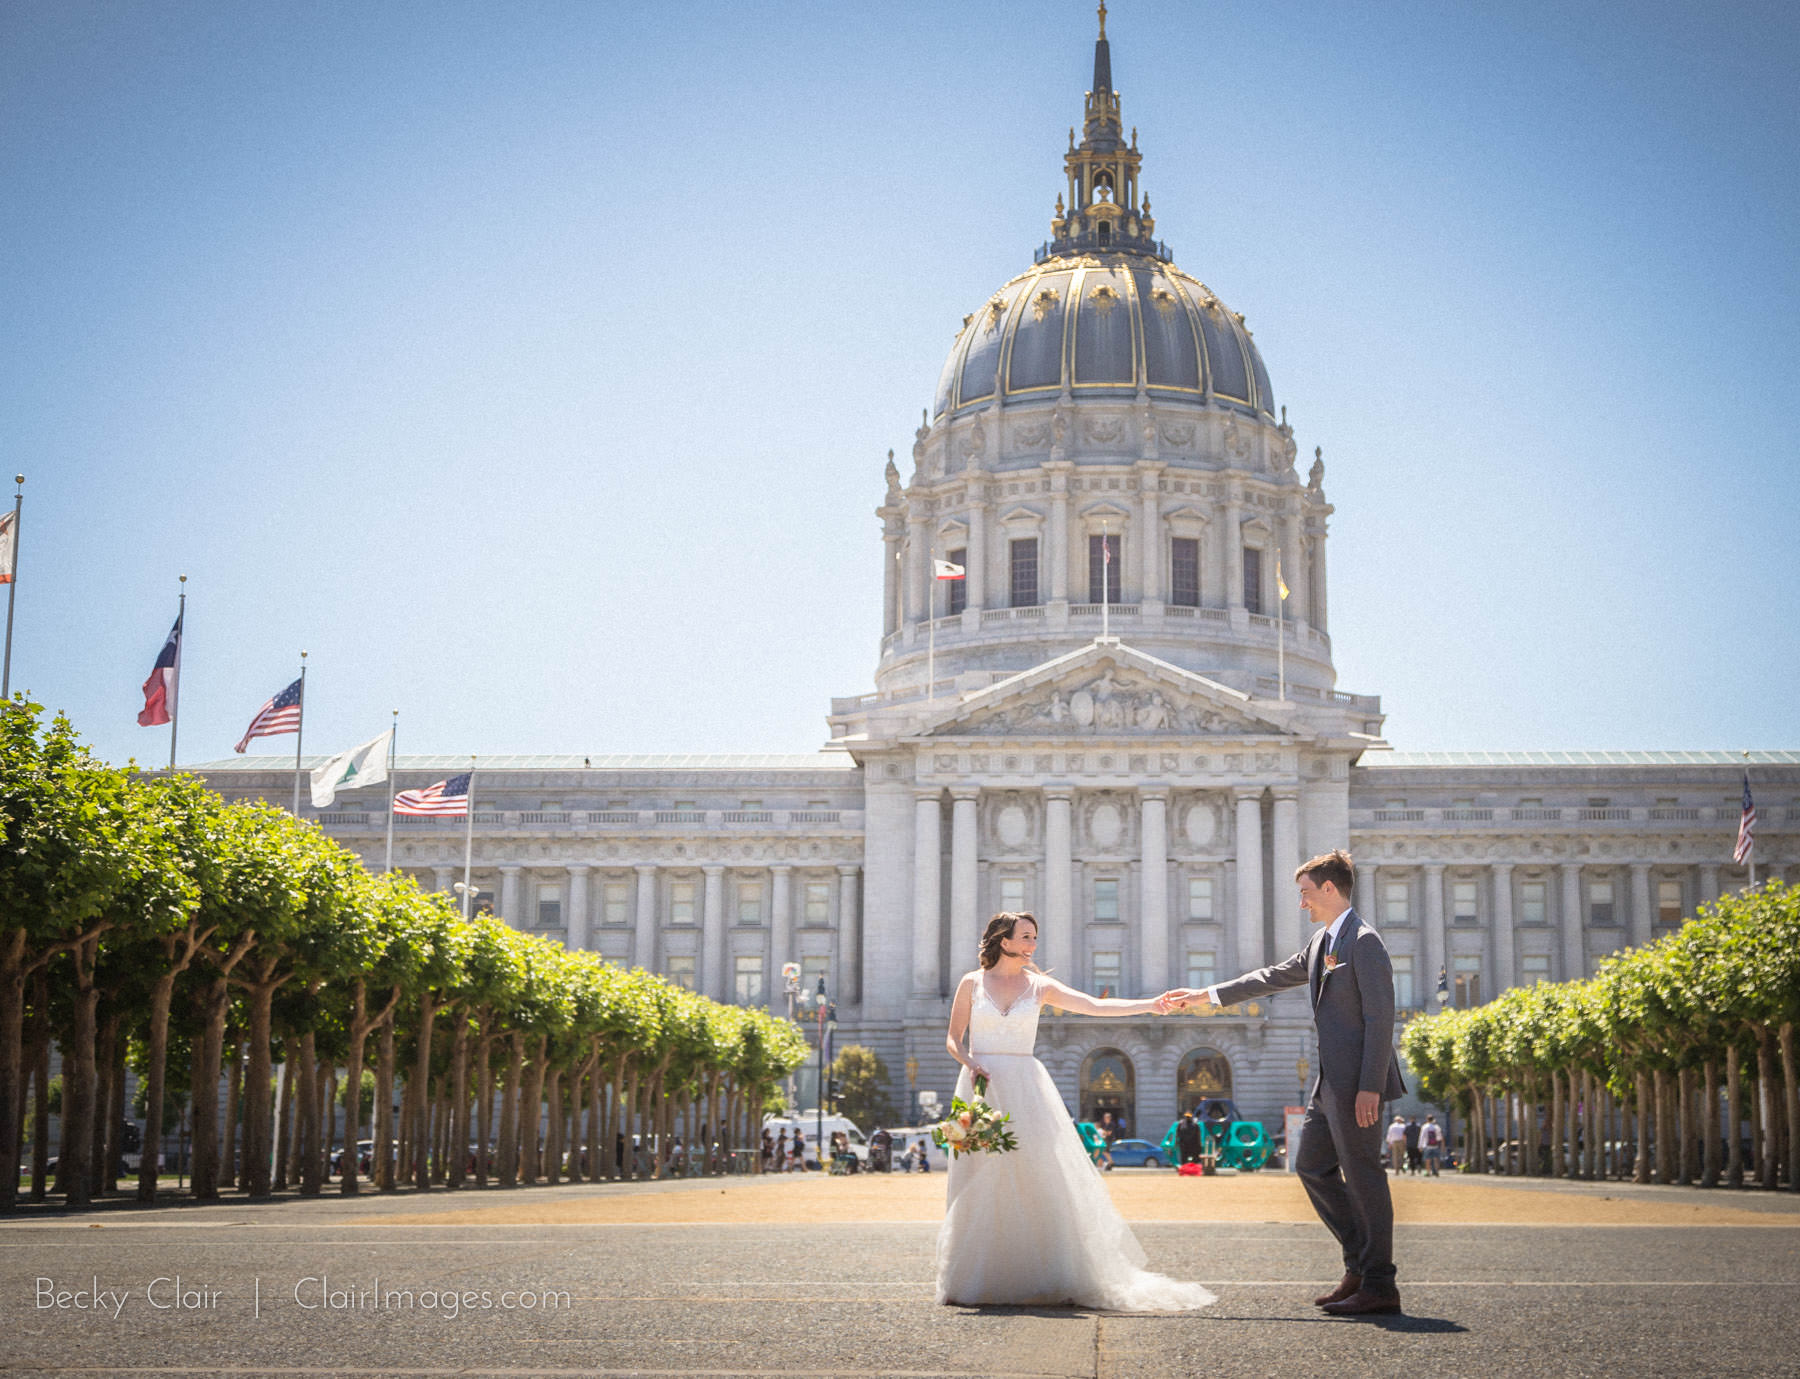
x: 927, y: 914
x: 1056, y: 544
x: 643, y: 946
x: 1285, y: 826
x: 1367, y: 897
x: 975, y: 575
x: 1153, y: 941
x: 965, y: 925
x: 891, y: 535
x: 1318, y: 611
x: 1709, y: 883
x: 918, y: 569
x: 850, y: 975
x: 577, y: 926
x: 1232, y: 548
x: 712, y: 934
x: 1573, y: 931
x: 1251, y: 953
x: 1293, y: 564
x: 1506, y: 962
x: 1058, y: 927
x: 1150, y: 542
x: 781, y: 922
x: 1436, y: 950
x: 442, y: 878
x: 509, y: 896
x: 1643, y: 916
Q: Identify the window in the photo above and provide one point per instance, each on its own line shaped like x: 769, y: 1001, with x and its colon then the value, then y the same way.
x: 1106, y: 898
x: 1253, y: 596
x: 1200, y: 897
x: 748, y: 980
x: 956, y: 591
x: 484, y: 903
x: 549, y: 907
x: 1668, y: 903
x: 681, y: 902
x: 1534, y: 968
x: 749, y: 902
x: 1403, y: 981
x: 1394, y: 902
x: 613, y: 902
x: 818, y: 903
x: 1600, y: 902
x: 1467, y: 991
x: 1106, y: 973
x: 1024, y: 572
x: 681, y: 969
x: 1462, y: 901
x: 1103, y: 576
x: 1012, y: 893
x: 1202, y: 970
x: 1531, y: 903
x: 1184, y: 571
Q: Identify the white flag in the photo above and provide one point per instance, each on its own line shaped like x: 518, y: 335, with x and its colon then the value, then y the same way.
x: 943, y: 569
x: 9, y: 545
x: 364, y: 765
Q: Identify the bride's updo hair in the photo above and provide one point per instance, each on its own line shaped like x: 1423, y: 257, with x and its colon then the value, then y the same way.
x: 999, y: 929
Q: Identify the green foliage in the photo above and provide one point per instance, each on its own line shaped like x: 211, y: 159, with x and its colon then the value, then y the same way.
x: 1730, y: 974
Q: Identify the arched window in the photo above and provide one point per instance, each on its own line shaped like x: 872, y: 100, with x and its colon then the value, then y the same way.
x: 1109, y: 1085
x: 1204, y: 1074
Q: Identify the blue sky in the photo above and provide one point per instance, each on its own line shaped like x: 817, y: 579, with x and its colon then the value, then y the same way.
x: 533, y: 365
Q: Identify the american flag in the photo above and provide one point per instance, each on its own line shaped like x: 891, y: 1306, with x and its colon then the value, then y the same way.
x: 1746, y: 843
x: 446, y: 797
x: 280, y: 715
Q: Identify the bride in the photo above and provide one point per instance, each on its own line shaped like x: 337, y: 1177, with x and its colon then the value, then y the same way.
x: 1035, y: 1225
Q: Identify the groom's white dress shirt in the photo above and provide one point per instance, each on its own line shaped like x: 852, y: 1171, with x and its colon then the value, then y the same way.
x: 1331, y: 938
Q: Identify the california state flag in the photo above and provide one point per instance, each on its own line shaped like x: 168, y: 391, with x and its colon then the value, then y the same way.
x: 9, y: 546
x: 943, y: 569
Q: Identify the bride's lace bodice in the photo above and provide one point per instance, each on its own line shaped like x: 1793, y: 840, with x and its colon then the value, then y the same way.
x: 1014, y: 1030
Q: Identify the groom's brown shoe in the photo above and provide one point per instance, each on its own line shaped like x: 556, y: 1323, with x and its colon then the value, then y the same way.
x: 1351, y: 1285
x: 1366, y: 1303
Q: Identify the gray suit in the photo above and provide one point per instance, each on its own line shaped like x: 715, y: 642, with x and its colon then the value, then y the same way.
x: 1340, y: 1162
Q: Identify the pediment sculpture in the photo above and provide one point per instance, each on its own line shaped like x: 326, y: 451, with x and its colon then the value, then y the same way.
x: 1106, y: 704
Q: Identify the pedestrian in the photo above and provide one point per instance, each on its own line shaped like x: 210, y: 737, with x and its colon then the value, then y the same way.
x: 781, y: 1152
x: 1396, y: 1144
x: 799, y: 1151
x: 768, y: 1152
x: 1431, y: 1144
x: 1187, y: 1139
x: 1413, y: 1161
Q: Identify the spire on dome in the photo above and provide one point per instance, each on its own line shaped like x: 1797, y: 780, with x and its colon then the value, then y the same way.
x: 1105, y: 211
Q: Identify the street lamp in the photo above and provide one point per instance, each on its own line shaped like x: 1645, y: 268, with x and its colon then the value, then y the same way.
x: 467, y: 892
x: 1303, y: 1067
x: 827, y: 1018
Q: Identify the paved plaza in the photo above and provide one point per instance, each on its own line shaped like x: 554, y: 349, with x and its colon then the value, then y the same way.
x: 794, y: 1277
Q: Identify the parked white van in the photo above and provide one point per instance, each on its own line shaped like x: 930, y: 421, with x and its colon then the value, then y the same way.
x: 809, y: 1124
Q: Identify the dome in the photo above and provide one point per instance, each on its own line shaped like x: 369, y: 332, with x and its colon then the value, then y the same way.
x: 1104, y: 325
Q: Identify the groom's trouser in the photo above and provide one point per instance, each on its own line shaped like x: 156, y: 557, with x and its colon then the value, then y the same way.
x: 1341, y: 1168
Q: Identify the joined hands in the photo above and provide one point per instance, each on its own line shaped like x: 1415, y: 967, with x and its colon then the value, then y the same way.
x: 1180, y: 999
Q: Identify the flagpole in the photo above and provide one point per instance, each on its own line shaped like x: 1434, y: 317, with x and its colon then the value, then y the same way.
x: 1280, y: 632
x: 299, y: 732
x: 469, y: 838
x: 175, y: 709
x: 12, y: 591
x: 387, y: 861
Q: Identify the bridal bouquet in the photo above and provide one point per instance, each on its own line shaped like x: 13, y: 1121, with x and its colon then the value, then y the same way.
x: 974, y: 1127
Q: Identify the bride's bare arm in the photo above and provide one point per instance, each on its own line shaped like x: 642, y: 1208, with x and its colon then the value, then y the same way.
x: 1080, y: 1003
x: 954, y: 1039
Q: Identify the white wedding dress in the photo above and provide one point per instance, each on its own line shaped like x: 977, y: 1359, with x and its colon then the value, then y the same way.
x: 1037, y: 1225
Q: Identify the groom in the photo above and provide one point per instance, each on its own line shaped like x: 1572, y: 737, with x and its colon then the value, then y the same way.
x: 1346, y: 968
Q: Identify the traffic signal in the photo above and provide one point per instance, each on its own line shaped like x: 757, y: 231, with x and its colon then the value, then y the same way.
x: 833, y: 1090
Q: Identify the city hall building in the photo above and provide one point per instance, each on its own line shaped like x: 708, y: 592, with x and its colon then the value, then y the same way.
x: 1107, y: 722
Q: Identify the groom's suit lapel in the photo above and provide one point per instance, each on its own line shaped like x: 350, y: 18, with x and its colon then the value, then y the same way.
x: 1315, y: 963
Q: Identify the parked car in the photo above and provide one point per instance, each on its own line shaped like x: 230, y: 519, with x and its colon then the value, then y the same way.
x: 1136, y: 1154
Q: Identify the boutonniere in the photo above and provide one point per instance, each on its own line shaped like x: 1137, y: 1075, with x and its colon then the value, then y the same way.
x: 1331, y: 963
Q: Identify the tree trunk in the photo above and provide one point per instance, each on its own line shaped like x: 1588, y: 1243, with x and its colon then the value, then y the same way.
x: 162, y: 995
x: 259, y: 1144
x: 328, y: 1114
x: 1660, y: 1118
x: 594, y: 1143
x: 1709, y: 1126
x: 75, y: 1153
x: 304, y: 1164
x: 459, y: 1101
x: 215, y: 1006
x: 1559, y: 1164
x: 40, y: 1096
x: 531, y: 1105
x: 509, y: 1110
x: 484, y: 1106
x: 553, y: 1124
x: 353, y: 1064
x: 428, y: 1008
x: 1791, y: 1089
x: 1768, y: 1153
x: 613, y: 1125
x: 230, y: 1143
x: 12, y: 1057
x: 381, y: 1152
x: 1734, y: 1119
x: 285, y: 1122
x: 105, y: 1138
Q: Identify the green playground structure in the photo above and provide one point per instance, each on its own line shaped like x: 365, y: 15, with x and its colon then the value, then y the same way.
x: 1091, y: 1138
x: 1238, y: 1144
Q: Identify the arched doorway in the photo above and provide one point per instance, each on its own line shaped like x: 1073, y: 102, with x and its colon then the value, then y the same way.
x: 1108, y: 1083
x: 1204, y: 1074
